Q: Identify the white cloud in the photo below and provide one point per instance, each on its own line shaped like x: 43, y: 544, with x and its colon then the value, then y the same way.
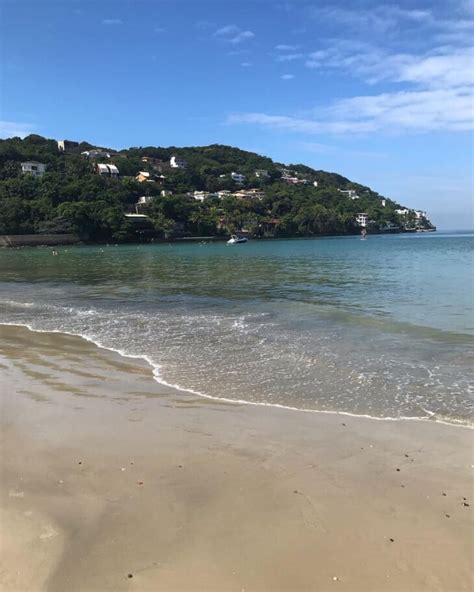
x: 112, y: 21
x: 379, y: 19
x: 287, y: 76
x: 414, y: 111
x: 283, y: 47
x: 246, y: 64
x: 10, y: 129
x: 233, y: 34
x: 289, y: 57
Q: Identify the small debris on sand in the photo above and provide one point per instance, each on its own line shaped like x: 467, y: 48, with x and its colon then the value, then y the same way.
x: 465, y: 504
x: 130, y: 575
x: 140, y: 483
x: 447, y: 516
x: 444, y: 494
x: 398, y: 470
x: 80, y: 462
x: 392, y: 540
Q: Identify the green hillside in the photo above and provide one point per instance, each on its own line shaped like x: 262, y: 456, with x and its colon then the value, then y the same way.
x: 287, y: 200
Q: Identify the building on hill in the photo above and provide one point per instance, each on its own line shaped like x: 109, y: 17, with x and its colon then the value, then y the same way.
x: 107, y: 170
x: 262, y: 174
x: 350, y: 193
x: 224, y: 193
x: 362, y: 219
x: 178, y: 163
x: 402, y: 212
x: 32, y: 167
x: 419, y: 214
x: 65, y: 145
x: 154, y: 162
x: 145, y: 199
x: 238, y: 178
x: 249, y: 194
x: 147, y: 177
x: 95, y: 154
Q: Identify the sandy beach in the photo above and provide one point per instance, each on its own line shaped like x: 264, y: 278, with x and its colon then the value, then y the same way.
x: 110, y: 481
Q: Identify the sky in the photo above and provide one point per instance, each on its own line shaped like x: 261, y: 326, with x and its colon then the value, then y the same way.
x: 380, y: 92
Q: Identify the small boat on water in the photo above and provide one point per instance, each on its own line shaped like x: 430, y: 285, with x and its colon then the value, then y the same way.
x: 235, y: 240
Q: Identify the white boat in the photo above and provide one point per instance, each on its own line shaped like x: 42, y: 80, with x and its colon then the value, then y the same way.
x: 234, y: 239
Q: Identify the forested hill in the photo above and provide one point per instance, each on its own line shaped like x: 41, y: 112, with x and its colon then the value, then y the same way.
x: 209, y: 190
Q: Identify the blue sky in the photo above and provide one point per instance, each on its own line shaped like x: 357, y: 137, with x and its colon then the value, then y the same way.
x: 380, y: 92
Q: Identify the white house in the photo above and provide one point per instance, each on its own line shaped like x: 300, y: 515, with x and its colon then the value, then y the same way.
x: 249, y: 194
x: 64, y: 145
x: 362, y: 219
x: 402, y: 212
x: 31, y: 167
x: 177, y: 163
x: 201, y: 195
x: 262, y: 174
x: 383, y: 202
x: 107, y: 170
x: 95, y: 154
x: 238, y: 178
x: 350, y: 193
x: 165, y: 192
x: 224, y: 193
x: 145, y: 199
x: 419, y: 214
x: 315, y: 183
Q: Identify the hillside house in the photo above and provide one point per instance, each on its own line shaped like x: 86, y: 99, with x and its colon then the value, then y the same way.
x: 95, y: 154
x: 178, y: 163
x: 249, y: 194
x: 238, y: 178
x: 402, y: 212
x: 362, y: 219
x: 107, y: 170
x: 147, y: 177
x: 262, y: 174
x: 156, y: 163
x: 65, y: 145
x: 419, y: 214
x: 32, y: 167
x: 350, y: 193
x: 145, y: 200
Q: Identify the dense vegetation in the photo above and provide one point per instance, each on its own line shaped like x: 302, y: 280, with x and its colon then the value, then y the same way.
x: 71, y: 197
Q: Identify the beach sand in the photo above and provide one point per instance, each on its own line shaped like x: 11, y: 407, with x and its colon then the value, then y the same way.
x: 111, y: 481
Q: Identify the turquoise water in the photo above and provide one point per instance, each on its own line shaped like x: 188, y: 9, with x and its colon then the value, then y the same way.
x: 382, y: 327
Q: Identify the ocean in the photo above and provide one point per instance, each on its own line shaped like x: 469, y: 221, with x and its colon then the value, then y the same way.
x: 382, y: 327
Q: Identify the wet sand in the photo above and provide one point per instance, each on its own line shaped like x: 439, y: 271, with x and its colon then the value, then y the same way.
x: 110, y: 481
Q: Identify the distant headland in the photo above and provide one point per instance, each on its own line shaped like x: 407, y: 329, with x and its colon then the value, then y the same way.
x: 55, y: 191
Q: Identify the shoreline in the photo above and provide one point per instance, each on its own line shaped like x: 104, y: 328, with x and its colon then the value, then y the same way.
x: 34, y: 240
x: 156, y: 376
x: 111, y: 481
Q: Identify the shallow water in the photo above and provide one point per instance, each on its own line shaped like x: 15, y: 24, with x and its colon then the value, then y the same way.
x: 382, y: 327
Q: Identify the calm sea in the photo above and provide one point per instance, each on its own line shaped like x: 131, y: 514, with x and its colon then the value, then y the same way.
x: 382, y: 327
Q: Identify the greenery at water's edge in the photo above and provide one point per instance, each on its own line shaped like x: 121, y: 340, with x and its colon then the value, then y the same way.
x: 71, y: 197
